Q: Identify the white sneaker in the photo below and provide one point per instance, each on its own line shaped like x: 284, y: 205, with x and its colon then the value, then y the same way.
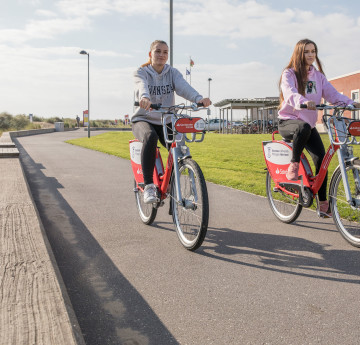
x: 150, y: 194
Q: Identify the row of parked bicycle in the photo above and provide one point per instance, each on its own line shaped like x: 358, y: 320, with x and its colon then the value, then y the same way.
x: 256, y: 126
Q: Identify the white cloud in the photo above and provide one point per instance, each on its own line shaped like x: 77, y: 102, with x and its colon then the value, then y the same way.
x: 30, y: 2
x: 53, y: 82
x: 244, y: 80
x: 76, y: 15
x: 250, y: 19
x: 100, y: 7
x: 45, y: 13
x: 81, y: 8
x: 336, y: 34
x: 40, y: 29
x: 232, y: 45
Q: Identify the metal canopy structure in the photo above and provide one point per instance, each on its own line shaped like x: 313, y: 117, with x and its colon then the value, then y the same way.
x: 256, y: 109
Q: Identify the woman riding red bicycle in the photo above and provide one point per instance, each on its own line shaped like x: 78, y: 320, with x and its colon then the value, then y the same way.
x: 301, y: 83
x: 155, y: 83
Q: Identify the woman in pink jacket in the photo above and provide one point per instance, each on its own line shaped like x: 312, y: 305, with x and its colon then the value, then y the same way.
x: 302, y: 83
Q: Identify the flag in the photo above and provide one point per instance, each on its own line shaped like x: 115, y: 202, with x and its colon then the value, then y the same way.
x: 187, y: 72
x: 191, y: 63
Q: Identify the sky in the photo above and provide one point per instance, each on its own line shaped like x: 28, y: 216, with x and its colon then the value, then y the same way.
x: 242, y: 46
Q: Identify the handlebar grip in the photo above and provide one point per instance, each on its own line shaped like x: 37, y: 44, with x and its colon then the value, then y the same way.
x: 200, y: 104
x: 304, y: 106
x: 152, y: 106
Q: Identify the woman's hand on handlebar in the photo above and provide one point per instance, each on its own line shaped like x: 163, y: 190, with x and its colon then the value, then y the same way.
x: 205, y: 101
x: 145, y: 103
x: 311, y: 105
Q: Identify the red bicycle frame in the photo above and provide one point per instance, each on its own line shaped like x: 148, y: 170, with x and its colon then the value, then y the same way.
x: 277, y: 154
x: 161, y: 177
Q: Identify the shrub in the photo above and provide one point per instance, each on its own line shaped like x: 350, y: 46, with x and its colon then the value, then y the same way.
x: 5, y: 121
x: 20, y: 122
x: 54, y: 119
x: 33, y: 126
x: 37, y: 119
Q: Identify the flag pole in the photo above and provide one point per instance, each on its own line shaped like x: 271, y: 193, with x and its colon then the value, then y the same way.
x: 190, y: 70
x: 171, y: 34
x: 186, y: 81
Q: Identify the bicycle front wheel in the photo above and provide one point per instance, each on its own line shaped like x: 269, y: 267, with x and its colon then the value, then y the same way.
x: 191, y: 214
x: 285, y: 207
x: 346, y: 216
x: 147, y: 212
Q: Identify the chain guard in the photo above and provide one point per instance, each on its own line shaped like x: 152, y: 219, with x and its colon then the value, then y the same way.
x: 305, y: 199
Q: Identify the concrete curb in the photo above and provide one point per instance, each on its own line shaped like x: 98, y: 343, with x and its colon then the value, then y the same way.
x: 34, y: 305
x: 25, y: 133
x: 107, y: 129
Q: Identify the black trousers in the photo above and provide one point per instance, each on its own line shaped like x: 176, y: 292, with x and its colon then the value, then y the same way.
x: 149, y: 135
x: 303, y: 136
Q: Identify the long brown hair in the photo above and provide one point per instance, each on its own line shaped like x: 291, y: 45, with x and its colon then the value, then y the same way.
x: 298, y: 64
x: 152, y: 45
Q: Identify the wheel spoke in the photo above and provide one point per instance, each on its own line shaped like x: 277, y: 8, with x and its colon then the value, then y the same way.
x: 191, y: 215
x: 346, y: 216
x: 147, y: 212
x: 284, y: 206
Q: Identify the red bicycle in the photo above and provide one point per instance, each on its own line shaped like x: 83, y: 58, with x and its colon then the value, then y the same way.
x: 182, y: 180
x: 287, y: 198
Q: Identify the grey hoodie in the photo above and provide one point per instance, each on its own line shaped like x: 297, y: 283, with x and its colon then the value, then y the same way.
x: 159, y: 88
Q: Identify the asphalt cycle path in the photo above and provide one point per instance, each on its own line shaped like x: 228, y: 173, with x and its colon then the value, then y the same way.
x: 253, y: 281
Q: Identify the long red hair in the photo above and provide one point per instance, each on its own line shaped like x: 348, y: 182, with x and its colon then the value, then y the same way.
x: 298, y: 64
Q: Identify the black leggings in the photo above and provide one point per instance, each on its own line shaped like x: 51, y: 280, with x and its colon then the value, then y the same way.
x: 149, y: 135
x: 303, y: 136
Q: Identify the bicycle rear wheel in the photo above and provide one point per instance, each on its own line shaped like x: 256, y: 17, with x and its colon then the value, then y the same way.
x: 147, y: 212
x: 285, y: 208
x: 191, y: 215
x: 346, y: 216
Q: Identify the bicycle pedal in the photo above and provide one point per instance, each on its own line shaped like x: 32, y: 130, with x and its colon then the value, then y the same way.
x: 323, y: 215
x: 157, y: 201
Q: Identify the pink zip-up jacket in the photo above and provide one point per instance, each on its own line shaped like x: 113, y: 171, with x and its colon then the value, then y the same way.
x: 317, y: 87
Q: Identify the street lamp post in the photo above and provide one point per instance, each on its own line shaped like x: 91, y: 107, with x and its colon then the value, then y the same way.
x: 209, y: 85
x: 83, y: 52
x: 209, y: 111
x: 171, y: 33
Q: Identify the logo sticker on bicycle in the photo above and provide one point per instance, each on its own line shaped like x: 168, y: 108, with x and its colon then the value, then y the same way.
x: 280, y: 171
x: 135, y: 151
x: 354, y: 128
x: 190, y: 125
x: 277, y: 153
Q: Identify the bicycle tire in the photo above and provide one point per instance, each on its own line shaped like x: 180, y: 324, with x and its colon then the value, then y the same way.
x: 345, y: 216
x: 147, y: 212
x: 192, y: 217
x: 284, y: 207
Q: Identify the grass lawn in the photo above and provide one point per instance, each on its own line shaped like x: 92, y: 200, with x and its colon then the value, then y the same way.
x: 231, y: 160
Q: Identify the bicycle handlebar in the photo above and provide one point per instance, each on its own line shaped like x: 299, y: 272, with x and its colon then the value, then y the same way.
x: 159, y: 106
x: 325, y: 106
x: 153, y: 106
x: 318, y: 106
x: 166, y: 112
